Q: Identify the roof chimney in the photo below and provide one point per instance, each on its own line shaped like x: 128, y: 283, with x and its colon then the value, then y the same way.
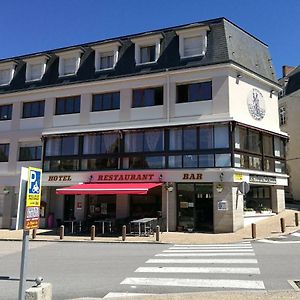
x: 286, y: 70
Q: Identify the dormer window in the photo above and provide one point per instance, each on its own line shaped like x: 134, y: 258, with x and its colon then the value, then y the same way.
x: 7, y: 71
x: 192, y: 41
x: 106, y: 55
x: 35, y: 68
x: 69, y: 62
x: 147, y: 49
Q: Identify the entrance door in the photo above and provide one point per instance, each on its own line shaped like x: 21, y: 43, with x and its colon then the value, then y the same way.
x: 203, y: 207
x: 69, y: 207
x: 195, y: 206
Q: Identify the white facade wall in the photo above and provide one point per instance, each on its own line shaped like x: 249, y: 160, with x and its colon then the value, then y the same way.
x: 229, y: 102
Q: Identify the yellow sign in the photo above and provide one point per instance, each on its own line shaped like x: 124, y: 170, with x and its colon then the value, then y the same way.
x: 33, y: 198
x: 238, y: 177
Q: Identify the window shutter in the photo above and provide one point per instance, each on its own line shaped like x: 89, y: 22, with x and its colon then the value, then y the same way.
x: 70, y: 65
x: 5, y: 76
x: 36, y: 71
x: 193, y: 46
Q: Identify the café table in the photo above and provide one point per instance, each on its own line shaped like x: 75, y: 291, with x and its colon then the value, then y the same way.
x: 147, y: 223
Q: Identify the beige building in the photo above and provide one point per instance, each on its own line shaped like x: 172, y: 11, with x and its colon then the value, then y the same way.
x: 167, y: 122
x: 289, y: 110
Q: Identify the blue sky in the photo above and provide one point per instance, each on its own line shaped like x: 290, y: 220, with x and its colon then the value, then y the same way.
x: 28, y: 26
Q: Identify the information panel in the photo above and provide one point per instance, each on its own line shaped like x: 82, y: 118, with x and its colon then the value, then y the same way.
x: 33, y: 198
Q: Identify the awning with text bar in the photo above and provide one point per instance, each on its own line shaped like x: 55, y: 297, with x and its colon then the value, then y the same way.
x: 107, y: 189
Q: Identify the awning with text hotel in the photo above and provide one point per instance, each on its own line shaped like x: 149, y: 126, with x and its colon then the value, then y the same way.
x: 107, y: 189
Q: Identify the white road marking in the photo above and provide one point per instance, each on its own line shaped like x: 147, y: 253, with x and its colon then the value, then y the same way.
x: 205, y: 254
x: 209, y: 248
x: 201, y: 261
x: 296, y: 234
x: 198, y: 270
x: 210, y: 283
x: 115, y: 295
x: 209, y: 251
x: 212, y: 245
x: 278, y: 242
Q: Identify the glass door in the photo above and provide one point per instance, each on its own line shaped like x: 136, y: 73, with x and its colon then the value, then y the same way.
x: 203, y: 212
x: 195, y: 206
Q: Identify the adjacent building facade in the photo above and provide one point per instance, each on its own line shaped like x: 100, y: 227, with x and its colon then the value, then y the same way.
x: 167, y: 122
x: 289, y: 109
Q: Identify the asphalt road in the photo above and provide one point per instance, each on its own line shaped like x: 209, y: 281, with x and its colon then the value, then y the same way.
x: 96, y: 269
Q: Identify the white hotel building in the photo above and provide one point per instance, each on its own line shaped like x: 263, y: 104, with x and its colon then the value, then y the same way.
x: 166, y: 121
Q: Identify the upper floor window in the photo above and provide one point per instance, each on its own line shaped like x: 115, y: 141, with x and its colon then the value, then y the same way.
x: 69, y: 62
x: 101, y: 143
x: 144, y: 141
x: 4, y: 151
x: 107, y: 101
x: 147, y: 48
x: 106, y: 55
x: 147, y: 97
x: 33, y: 109
x: 67, y: 105
x: 65, y: 145
x: 7, y: 71
x: 147, y: 54
x: 282, y: 115
x: 30, y: 153
x: 192, y: 41
x: 35, y: 68
x: 194, y: 92
x: 5, y: 112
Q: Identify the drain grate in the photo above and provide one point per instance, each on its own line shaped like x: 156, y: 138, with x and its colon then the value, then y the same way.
x: 295, y: 284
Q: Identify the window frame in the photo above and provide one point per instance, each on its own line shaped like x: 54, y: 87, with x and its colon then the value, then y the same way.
x: 4, y: 153
x: 41, y: 109
x: 184, y: 93
x: 111, y: 101
x: 37, y: 152
x: 9, y: 108
x: 144, y: 42
x: 158, y: 92
x: 76, y: 102
x: 73, y: 54
x: 113, y: 47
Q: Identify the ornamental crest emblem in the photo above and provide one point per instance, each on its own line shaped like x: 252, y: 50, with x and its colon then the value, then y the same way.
x: 256, y: 104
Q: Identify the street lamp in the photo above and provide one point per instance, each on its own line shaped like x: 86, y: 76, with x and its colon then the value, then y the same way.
x: 169, y: 188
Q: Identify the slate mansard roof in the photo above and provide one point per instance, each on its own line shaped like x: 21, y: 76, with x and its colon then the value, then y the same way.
x: 293, y: 83
x: 226, y: 43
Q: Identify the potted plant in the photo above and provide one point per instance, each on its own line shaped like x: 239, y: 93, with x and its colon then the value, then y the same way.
x: 249, y: 211
x: 265, y: 210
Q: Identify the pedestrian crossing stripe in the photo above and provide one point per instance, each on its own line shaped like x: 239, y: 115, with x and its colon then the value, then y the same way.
x: 204, y: 254
x: 210, y: 248
x: 208, y: 283
x: 201, y: 261
x: 213, y: 245
x: 116, y: 295
x: 207, y: 250
x: 216, y: 270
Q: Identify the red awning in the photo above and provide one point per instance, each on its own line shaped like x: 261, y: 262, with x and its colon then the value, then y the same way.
x: 107, y: 188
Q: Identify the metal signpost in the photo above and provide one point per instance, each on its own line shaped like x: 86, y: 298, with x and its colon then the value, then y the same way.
x: 28, y: 215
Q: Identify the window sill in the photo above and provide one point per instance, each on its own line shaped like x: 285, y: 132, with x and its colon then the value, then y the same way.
x: 192, y: 56
x: 149, y: 63
x: 33, y: 80
x: 106, y: 69
x: 67, y: 75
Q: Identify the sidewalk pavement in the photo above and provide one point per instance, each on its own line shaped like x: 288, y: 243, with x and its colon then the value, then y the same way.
x: 266, y: 227
x: 237, y: 295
